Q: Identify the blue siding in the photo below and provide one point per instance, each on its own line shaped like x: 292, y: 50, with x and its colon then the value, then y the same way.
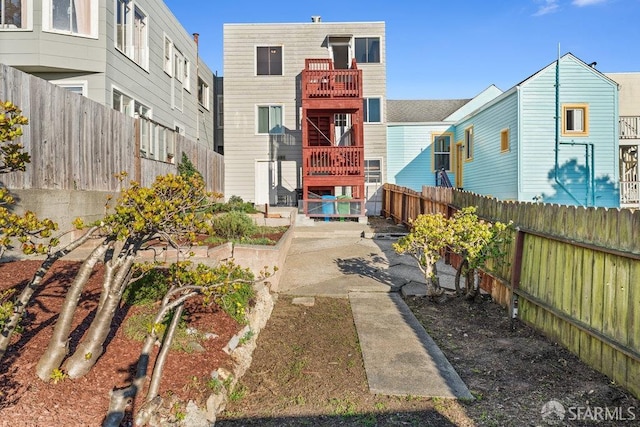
x: 409, y: 157
x: 578, y: 85
x: 491, y: 171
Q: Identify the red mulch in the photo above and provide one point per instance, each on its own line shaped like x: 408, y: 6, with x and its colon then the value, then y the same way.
x: 27, y: 401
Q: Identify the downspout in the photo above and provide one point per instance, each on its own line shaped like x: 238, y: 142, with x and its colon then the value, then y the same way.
x: 557, y: 139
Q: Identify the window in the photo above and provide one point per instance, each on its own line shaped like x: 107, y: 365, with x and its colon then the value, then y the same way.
x: 168, y: 56
x: 468, y: 143
x: 367, y: 50
x: 220, y: 111
x: 132, y: 33
x: 75, y: 86
x: 442, y: 152
x: 203, y: 93
x: 76, y: 17
x: 14, y: 14
x: 186, y: 81
x: 178, y: 64
x: 575, y: 120
x: 372, y: 110
x: 372, y: 171
x: 270, y: 119
x: 122, y: 103
x: 269, y: 61
x: 504, y: 140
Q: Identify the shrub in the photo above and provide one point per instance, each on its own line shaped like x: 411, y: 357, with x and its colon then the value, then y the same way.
x: 151, y: 287
x: 234, y: 225
x: 235, y: 203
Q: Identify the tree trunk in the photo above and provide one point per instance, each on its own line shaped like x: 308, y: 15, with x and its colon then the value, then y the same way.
x: 57, y: 347
x: 460, y: 271
x: 27, y: 293
x: 431, y: 276
x: 156, y: 377
x: 473, y: 283
x: 92, y: 345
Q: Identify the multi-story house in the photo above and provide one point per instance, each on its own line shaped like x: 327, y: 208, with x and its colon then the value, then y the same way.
x: 133, y: 55
x: 304, y: 114
x: 629, y: 108
x: 552, y: 137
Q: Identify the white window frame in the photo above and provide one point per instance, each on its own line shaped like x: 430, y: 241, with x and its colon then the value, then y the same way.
x: 269, y: 125
x: 186, y: 83
x: 137, y: 54
x: 26, y: 18
x: 220, y: 110
x: 204, y: 94
x: 366, y: 173
x: 47, y: 20
x: 366, y: 110
x: 123, y: 107
x: 167, y: 60
x: 178, y: 64
x: 82, y: 84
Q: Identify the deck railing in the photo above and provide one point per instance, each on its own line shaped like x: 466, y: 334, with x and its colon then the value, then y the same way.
x: 629, y: 127
x: 321, y: 80
x: 630, y: 193
x: 334, y: 161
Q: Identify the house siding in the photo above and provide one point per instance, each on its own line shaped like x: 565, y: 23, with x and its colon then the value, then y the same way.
x: 54, y: 56
x: 578, y: 84
x: 491, y: 171
x: 244, y: 91
x: 410, y: 154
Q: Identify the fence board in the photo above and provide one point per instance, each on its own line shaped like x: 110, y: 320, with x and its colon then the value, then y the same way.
x: 580, y: 278
x: 78, y: 144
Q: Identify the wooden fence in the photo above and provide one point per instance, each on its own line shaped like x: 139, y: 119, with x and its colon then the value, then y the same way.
x: 78, y: 144
x: 574, y: 272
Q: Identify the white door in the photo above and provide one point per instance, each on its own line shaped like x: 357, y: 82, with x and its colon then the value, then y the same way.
x: 266, y: 173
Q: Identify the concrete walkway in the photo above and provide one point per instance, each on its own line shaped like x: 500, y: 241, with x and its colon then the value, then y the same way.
x: 334, y: 260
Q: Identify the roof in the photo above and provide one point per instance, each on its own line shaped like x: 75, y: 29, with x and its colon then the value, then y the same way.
x: 422, y: 111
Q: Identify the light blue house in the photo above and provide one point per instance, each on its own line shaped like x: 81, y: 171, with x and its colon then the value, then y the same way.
x: 420, y: 137
x: 553, y: 138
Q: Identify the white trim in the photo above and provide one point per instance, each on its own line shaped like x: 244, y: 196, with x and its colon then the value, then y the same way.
x: 26, y: 17
x: 365, y: 120
x: 129, y: 49
x: 47, y: 17
x: 206, y: 94
x: 257, y: 117
x: 164, y: 55
x: 84, y: 84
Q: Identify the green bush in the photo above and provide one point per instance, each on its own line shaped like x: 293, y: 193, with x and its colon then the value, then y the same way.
x: 148, y: 289
x: 234, y: 225
x: 235, y: 303
x: 235, y: 203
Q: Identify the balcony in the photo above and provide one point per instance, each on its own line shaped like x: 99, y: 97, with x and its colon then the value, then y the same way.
x: 321, y: 80
x: 629, y: 127
x: 333, y: 161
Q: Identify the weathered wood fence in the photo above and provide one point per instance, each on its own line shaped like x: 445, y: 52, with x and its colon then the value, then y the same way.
x: 574, y: 272
x: 78, y: 144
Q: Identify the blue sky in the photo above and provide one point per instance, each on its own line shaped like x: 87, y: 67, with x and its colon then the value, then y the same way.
x: 454, y: 48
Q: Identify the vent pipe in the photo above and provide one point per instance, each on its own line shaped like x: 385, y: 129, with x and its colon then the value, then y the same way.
x: 316, y: 18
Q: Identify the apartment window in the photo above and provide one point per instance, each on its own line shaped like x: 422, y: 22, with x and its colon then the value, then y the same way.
x: 141, y: 110
x: 269, y: 60
x: 75, y: 86
x: 132, y: 33
x: 504, y: 140
x: 468, y: 143
x: 178, y: 64
x: 373, y: 171
x: 187, y: 75
x: 168, y: 56
x: 367, y: 50
x: 372, y: 110
x: 15, y: 14
x: 442, y: 152
x: 575, y: 120
x: 220, y: 111
x: 122, y: 103
x: 203, y: 93
x: 76, y: 17
x: 270, y: 119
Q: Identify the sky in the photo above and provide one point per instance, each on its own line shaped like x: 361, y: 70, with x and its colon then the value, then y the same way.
x: 449, y: 49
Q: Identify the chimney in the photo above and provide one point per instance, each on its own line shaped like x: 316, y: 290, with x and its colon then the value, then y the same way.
x: 195, y: 37
x: 316, y: 18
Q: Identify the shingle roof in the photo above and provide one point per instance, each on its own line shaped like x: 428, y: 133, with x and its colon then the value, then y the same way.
x: 422, y: 111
